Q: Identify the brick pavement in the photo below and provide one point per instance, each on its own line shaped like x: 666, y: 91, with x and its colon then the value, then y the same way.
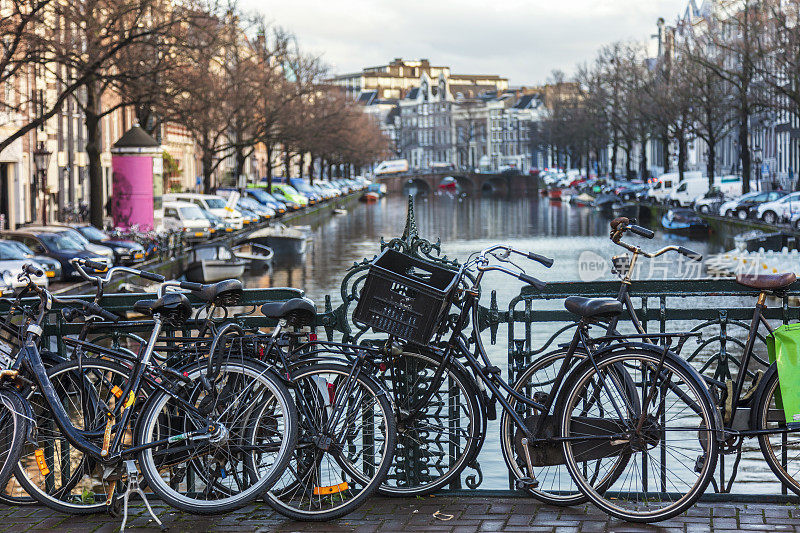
x: 447, y: 513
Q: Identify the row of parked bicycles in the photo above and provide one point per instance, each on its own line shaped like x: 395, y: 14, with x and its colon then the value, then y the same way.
x: 209, y: 415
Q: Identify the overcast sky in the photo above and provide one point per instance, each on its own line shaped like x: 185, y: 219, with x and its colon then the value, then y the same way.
x: 521, y: 39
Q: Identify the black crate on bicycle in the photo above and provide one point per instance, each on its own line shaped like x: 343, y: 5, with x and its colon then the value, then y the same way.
x: 405, y: 296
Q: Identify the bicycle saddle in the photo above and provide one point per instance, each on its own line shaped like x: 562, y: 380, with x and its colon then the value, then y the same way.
x: 223, y: 293
x: 593, y: 307
x: 297, y: 311
x: 766, y: 281
x: 173, y: 308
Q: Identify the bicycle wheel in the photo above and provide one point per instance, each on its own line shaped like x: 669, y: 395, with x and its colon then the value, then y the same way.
x: 556, y: 486
x: 333, y: 472
x: 671, y: 434
x: 434, y: 443
x: 235, y: 465
x: 66, y: 480
x: 14, y: 425
x: 780, y: 449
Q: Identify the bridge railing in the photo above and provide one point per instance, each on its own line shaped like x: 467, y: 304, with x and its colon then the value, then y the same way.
x: 530, y: 325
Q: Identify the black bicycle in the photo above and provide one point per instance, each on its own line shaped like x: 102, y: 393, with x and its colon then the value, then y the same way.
x: 194, y: 436
x: 618, y: 409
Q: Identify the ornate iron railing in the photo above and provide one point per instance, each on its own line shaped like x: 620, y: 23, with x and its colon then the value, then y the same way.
x: 533, y: 323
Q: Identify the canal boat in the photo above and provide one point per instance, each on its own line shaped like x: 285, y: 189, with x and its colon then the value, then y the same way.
x: 756, y: 240
x: 286, y: 242
x: 554, y: 194
x: 213, y: 262
x: 683, y: 221
x: 583, y: 200
x: 258, y: 257
x: 370, y: 197
x: 604, y: 202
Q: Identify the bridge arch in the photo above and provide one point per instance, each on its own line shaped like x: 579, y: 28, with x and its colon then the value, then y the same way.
x: 416, y: 187
x: 495, y: 185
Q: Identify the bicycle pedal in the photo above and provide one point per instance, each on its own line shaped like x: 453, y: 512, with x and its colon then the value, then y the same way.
x: 698, y: 465
x: 526, y: 483
x: 133, y: 486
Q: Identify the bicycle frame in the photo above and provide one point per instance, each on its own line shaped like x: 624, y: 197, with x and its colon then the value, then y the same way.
x: 30, y: 358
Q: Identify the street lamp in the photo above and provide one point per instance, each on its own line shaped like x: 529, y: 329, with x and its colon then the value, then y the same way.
x: 41, y: 160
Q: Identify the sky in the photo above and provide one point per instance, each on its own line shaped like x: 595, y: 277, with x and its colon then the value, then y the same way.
x: 524, y: 40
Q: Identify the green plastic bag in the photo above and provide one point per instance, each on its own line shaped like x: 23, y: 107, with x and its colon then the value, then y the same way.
x: 783, y: 346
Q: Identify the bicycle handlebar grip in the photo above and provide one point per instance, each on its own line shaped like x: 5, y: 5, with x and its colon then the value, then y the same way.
x: 70, y: 314
x: 530, y: 280
x: 619, y: 221
x: 642, y: 232
x: 691, y: 254
x: 152, y: 276
x: 190, y: 286
x: 33, y: 270
x: 102, y: 313
x: 96, y: 265
x: 546, y: 261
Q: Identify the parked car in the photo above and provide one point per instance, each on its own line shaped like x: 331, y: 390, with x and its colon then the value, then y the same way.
x: 283, y: 190
x: 12, y: 260
x: 795, y: 221
x: 780, y: 210
x: 211, y: 202
x: 264, y: 212
x: 218, y: 225
x: 746, y: 207
x: 188, y: 218
x: 52, y: 268
x: 61, y: 246
x: 710, y: 202
x: 125, y: 252
x: 728, y: 208
x: 302, y: 186
x: 259, y: 195
x: 97, y: 249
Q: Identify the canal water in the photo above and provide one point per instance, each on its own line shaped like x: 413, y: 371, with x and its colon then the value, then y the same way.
x: 570, y: 235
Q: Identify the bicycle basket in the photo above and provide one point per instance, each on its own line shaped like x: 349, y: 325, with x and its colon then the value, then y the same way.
x: 405, y: 296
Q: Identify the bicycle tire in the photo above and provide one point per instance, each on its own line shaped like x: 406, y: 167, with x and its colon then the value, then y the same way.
x: 636, y: 502
x: 766, y: 415
x: 73, y: 493
x: 306, y: 469
x: 556, y: 486
x: 179, y: 490
x: 14, y: 426
x: 425, y: 436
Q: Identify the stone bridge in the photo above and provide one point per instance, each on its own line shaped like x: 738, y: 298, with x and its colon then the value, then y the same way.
x: 504, y: 184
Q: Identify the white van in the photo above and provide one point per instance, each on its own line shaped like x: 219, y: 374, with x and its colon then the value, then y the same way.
x: 188, y: 218
x: 687, y: 191
x: 662, y: 186
x: 215, y: 205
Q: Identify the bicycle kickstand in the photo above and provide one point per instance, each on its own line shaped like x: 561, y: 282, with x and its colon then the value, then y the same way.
x: 133, y: 486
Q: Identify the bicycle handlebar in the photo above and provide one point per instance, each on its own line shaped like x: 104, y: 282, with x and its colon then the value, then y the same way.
x: 622, y: 224
x: 79, y: 265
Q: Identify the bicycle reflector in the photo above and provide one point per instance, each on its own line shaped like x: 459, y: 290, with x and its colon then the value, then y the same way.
x: 40, y: 462
x: 333, y: 489
x: 116, y: 391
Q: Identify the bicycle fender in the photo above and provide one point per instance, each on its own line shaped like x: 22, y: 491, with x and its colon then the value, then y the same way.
x: 773, y: 369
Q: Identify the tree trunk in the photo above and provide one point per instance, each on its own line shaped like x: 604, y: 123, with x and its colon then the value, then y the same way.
x: 643, y: 163
x: 711, y: 163
x: 92, y: 119
x: 311, y: 169
x: 207, y: 160
x: 665, y: 150
x: 614, y: 150
x: 269, y: 167
x: 744, y: 152
x: 681, y: 155
x: 240, y: 162
x: 287, y: 162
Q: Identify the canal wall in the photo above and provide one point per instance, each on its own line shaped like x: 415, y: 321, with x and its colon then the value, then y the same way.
x: 652, y: 213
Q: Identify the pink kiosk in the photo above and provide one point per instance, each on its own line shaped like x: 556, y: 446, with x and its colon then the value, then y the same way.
x: 137, y: 180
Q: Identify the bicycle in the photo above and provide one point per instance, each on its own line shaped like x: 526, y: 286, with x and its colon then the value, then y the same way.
x: 194, y: 437
x: 606, y: 397
x: 537, y: 377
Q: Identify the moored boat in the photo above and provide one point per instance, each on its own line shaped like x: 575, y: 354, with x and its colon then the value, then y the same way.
x: 554, y: 194
x: 284, y: 241
x: 256, y: 255
x: 213, y: 262
x: 625, y: 209
x: 683, y: 221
